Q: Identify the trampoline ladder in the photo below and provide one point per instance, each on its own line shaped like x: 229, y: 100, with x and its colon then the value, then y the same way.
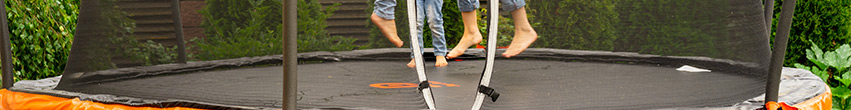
x: 484, y: 90
x: 418, y: 56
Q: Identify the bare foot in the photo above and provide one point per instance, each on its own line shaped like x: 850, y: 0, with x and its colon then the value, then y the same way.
x: 521, y: 41
x: 471, y: 36
x: 441, y: 62
x: 524, y: 34
x: 388, y: 28
x: 412, y: 63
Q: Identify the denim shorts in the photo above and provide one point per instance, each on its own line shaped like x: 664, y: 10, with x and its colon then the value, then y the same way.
x: 507, y: 5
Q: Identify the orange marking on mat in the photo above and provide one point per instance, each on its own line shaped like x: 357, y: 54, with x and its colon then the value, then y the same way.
x: 445, y: 84
x: 393, y: 85
x: 410, y: 85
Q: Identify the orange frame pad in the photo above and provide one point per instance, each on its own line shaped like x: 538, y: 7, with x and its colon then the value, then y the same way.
x: 10, y: 100
x: 823, y: 101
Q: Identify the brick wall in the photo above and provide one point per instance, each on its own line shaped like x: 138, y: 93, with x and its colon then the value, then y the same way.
x: 191, y: 19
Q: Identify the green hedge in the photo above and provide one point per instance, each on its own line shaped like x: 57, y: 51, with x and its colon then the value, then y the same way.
x: 239, y: 29
x: 825, y: 22
x: 41, y: 32
x: 312, y: 35
x: 575, y: 24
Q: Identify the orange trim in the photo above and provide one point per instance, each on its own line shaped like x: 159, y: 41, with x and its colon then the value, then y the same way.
x: 10, y: 100
x: 824, y: 101
x: 410, y: 85
x: 771, y: 105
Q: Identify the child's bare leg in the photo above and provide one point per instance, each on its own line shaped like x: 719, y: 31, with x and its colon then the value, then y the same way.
x: 412, y: 63
x: 388, y: 28
x: 471, y: 36
x: 441, y: 62
x: 524, y: 35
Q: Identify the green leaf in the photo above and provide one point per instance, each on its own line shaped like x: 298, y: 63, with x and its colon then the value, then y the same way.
x: 816, y: 50
x: 820, y: 73
x: 830, y: 59
x: 844, y: 51
x: 844, y: 60
x: 845, y: 80
x: 811, y: 55
x: 800, y: 66
x: 841, y: 92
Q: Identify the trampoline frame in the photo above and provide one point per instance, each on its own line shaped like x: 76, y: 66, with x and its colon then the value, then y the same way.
x: 290, y: 33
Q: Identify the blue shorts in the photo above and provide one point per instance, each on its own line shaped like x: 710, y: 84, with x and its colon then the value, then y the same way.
x: 507, y: 5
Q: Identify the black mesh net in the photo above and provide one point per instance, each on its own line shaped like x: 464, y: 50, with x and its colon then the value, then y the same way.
x: 127, y: 52
x: 636, y: 48
x: 589, y: 54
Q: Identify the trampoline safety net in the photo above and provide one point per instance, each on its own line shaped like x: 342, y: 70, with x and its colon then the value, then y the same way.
x: 127, y: 52
x: 588, y: 54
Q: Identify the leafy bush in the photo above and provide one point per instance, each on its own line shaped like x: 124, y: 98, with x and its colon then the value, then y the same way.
x: 574, y: 24
x: 312, y: 35
x: 671, y: 28
x: 41, y: 32
x: 114, y: 45
x: 239, y: 29
x: 833, y: 68
x: 825, y: 22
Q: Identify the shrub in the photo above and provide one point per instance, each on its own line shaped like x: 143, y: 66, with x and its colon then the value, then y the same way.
x: 574, y: 24
x: 41, y: 32
x: 833, y: 68
x: 825, y: 22
x: 312, y: 35
x: 114, y: 45
x: 239, y: 29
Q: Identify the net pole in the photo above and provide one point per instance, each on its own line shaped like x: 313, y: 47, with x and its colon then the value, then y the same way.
x: 769, y: 14
x: 418, y: 56
x: 178, y: 31
x: 780, y: 41
x: 5, y: 49
x: 484, y: 82
x: 290, y: 61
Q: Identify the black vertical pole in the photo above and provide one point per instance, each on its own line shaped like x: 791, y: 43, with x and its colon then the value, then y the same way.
x: 178, y: 31
x: 776, y: 65
x: 290, y: 72
x: 769, y: 15
x: 6, y: 49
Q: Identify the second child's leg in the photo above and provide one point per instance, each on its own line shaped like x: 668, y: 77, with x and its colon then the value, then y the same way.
x: 433, y: 10
x: 524, y: 34
x: 472, y: 35
x: 420, y: 23
x: 383, y: 17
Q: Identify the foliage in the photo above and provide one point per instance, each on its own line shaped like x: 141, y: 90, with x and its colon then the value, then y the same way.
x: 833, y: 68
x: 825, y: 22
x: 574, y: 24
x: 41, y: 32
x: 663, y: 29
x: 239, y: 29
x: 312, y: 35
x: 113, y: 45
x: 452, y: 23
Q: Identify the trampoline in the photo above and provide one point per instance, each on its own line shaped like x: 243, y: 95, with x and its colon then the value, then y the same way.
x: 541, y: 78
x: 732, y: 45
